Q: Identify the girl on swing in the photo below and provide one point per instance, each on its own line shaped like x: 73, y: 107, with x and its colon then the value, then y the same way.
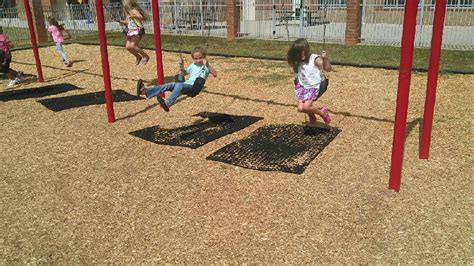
x: 135, y: 16
x: 307, y: 68
x: 6, y: 58
x: 198, y: 72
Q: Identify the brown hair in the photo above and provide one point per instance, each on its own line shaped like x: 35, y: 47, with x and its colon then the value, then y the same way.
x: 54, y: 22
x: 298, y: 47
x: 198, y: 49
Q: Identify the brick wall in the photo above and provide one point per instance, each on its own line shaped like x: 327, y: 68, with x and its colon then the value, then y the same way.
x: 353, y: 22
x: 233, y: 19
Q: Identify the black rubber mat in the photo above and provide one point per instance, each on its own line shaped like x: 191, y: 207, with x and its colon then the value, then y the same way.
x: 211, y: 127
x: 38, y: 92
x: 286, y: 148
x: 81, y: 100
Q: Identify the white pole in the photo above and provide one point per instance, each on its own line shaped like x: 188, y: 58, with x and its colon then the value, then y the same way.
x: 422, y: 9
x: 302, y: 19
x: 273, y: 18
x: 202, y: 17
x: 364, y: 13
x: 175, y: 17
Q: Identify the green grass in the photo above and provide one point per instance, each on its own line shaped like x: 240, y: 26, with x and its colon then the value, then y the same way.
x: 387, y: 56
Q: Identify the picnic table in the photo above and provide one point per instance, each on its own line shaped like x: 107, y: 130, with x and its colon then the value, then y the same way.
x: 310, y: 17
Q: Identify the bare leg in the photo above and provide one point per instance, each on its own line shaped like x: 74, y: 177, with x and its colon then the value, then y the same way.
x: 11, y: 74
x: 310, y: 110
x: 130, y: 47
x: 134, y: 44
x: 307, y: 107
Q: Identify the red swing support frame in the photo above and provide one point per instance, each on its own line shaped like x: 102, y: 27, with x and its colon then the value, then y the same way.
x: 406, y: 59
x: 105, y: 59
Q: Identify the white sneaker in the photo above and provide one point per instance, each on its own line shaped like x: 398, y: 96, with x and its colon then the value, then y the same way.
x: 19, y: 75
x: 12, y: 84
x: 144, y: 60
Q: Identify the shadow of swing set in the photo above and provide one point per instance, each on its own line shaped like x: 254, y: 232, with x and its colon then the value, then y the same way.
x: 285, y: 147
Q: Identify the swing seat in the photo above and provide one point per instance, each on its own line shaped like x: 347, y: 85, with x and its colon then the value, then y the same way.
x: 323, y: 87
x: 125, y: 30
x: 179, y: 78
x: 197, y: 87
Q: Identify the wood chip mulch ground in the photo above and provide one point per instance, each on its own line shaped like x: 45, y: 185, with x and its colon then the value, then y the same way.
x: 77, y: 189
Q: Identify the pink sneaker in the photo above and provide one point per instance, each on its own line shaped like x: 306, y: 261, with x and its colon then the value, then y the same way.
x: 312, y: 118
x: 326, y: 116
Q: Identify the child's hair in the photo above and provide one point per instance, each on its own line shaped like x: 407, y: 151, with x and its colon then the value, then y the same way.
x: 129, y: 5
x: 198, y: 49
x: 54, y: 22
x: 293, y: 57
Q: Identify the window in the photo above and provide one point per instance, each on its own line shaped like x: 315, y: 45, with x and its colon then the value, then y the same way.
x: 8, y: 3
x: 394, y: 3
x: 333, y: 3
x: 450, y: 3
x: 457, y: 3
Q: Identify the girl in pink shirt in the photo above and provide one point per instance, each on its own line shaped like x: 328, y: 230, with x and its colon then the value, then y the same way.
x: 56, y: 32
x: 6, y: 58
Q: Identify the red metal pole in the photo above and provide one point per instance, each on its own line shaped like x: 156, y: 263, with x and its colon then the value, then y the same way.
x: 34, y: 45
x: 156, y: 27
x: 105, y: 61
x: 436, y: 40
x: 404, y: 78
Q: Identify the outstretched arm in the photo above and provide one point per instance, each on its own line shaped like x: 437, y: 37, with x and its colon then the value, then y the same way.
x: 323, y: 62
x: 10, y: 44
x: 181, y: 70
x: 122, y: 22
x: 67, y: 32
x: 212, y: 70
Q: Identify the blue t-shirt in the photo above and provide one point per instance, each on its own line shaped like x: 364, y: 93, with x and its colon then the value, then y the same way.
x: 196, y: 71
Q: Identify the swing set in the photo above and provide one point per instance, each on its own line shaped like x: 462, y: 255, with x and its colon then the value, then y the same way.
x: 409, y: 29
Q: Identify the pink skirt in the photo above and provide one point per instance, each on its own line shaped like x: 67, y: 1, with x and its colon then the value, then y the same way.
x: 304, y: 94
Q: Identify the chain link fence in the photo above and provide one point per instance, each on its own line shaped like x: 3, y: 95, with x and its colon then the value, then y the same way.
x: 319, y: 21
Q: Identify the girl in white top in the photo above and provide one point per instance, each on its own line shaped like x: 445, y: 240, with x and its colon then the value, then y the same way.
x: 307, y: 67
x: 135, y: 16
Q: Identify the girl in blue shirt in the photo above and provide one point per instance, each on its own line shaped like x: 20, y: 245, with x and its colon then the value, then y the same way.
x: 200, y: 68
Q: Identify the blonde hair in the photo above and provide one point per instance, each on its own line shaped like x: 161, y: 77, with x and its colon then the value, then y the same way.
x: 129, y: 5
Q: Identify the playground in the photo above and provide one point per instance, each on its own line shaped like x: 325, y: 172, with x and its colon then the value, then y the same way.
x: 77, y: 189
